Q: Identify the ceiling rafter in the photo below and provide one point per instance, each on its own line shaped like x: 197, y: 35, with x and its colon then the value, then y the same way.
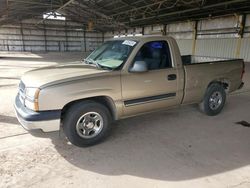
x: 120, y: 14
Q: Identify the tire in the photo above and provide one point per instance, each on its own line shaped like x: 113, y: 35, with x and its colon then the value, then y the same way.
x: 82, y: 118
x: 215, y: 92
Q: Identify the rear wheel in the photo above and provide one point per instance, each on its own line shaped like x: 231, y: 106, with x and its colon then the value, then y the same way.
x: 86, y: 123
x: 214, y: 100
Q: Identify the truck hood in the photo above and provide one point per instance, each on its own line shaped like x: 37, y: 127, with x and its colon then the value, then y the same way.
x: 57, y: 74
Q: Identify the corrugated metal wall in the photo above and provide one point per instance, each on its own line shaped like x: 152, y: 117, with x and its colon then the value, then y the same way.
x: 185, y: 46
x: 215, y: 37
x: 53, y: 35
x: 216, y: 47
x: 245, y: 49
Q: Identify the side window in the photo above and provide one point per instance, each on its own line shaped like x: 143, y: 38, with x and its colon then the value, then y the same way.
x: 156, y: 54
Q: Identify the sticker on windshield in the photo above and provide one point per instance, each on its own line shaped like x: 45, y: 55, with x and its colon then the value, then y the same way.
x: 129, y: 42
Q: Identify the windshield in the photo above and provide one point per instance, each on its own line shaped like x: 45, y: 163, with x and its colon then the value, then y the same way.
x: 111, y: 54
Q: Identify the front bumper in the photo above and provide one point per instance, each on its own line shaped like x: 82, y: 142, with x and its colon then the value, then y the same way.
x: 47, y: 121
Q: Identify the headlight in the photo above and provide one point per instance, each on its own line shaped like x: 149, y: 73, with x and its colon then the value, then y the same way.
x: 31, y: 93
x: 31, y: 98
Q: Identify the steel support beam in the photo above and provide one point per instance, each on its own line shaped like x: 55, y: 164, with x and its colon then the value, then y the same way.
x: 21, y: 31
x: 66, y: 36
x: 187, y: 10
x: 241, y: 34
x: 45, y: 37
x: 194, y: 37
x: 85, y: 42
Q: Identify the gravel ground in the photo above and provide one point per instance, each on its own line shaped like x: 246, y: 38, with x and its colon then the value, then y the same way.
x: 176, y: 148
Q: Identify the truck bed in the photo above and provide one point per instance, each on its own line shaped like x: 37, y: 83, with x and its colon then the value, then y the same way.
x: 200, y: 71
x: 191, y: 59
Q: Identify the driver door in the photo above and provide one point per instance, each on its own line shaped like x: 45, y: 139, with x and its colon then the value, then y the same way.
x: 152, y: 90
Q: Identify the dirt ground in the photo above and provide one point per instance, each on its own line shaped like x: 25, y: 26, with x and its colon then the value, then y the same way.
x: 177, y: 148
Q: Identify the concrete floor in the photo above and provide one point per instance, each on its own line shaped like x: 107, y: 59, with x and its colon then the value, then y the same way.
x: 177, y: 148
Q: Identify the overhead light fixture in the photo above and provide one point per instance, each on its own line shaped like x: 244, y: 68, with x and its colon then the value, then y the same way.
x: 53, y: 16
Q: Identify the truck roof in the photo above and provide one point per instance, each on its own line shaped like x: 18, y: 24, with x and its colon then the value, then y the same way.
x: 143, y: 37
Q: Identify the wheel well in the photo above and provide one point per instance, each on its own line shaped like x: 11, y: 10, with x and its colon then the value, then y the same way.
x: 224, y: 83
x: 106, y: 101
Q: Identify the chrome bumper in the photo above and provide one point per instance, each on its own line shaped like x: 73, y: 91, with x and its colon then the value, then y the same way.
x: 47, y: 121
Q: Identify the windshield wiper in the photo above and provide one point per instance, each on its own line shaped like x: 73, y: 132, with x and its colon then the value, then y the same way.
x: 91, y: 61
x: 98, y: 65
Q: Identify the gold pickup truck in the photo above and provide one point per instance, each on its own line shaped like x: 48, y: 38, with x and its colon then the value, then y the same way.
x: 124, y: 77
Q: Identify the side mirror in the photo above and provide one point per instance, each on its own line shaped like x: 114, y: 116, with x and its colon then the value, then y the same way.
x: 139, y: 66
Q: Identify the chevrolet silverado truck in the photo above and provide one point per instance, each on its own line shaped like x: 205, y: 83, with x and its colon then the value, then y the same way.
x: 124, y: 77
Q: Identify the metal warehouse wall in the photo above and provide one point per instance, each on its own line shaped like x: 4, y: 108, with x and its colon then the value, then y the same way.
x: 51, y: 35
x: 212, y: 37
x: 245, y: 49
x: 225, y: 47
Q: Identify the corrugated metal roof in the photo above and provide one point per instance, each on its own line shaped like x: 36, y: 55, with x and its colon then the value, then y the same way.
x: 121, y: 14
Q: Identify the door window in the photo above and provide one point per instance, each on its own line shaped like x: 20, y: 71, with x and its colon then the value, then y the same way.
x: 156, y: 54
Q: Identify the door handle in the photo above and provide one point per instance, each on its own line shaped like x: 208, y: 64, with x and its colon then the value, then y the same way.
x: 172, y: 77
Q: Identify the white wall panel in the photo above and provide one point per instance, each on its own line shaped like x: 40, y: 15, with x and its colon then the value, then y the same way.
x: 245, y: 49
x: 185, y: 46
x: 216, y: 47
x: 182, y: 26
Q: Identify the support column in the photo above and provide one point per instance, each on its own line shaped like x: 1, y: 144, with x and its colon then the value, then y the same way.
x: 164, y: 32
x: 66, y: 36
x: 21, y: 30
x: 45, y: 37
x: 194, y: 37
x: 241, y: 34
x: 102, y: 37
x: 84, y: 40
x: 7, y: 44
x: 142, y: 30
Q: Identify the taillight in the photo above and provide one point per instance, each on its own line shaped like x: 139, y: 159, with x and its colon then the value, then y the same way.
x: 243, y: 70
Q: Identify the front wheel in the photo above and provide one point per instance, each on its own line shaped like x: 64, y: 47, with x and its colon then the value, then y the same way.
x: 214, y: 100
x: 86, y: 123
